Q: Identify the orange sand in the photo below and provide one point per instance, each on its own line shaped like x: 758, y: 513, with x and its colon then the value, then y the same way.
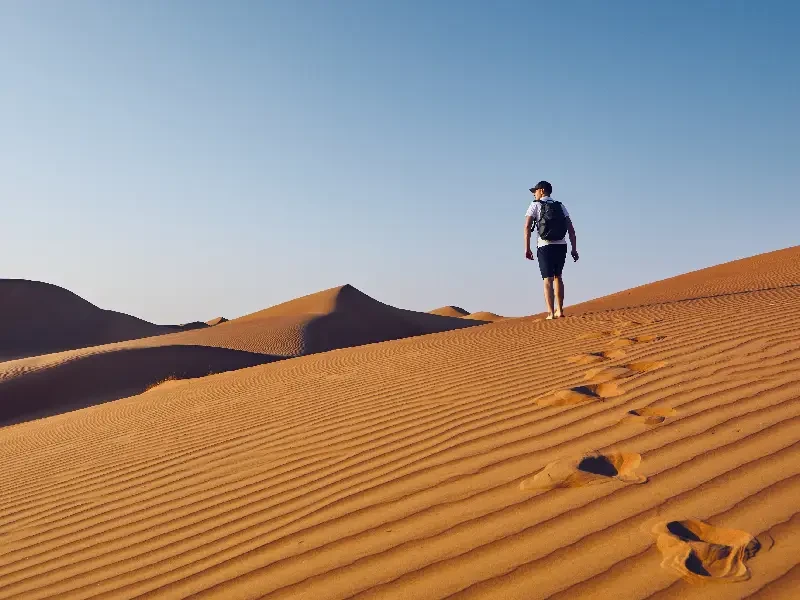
x: 484, y: 316
x: 449, y: 311
x: 426, y: 467
x: 335, y: 318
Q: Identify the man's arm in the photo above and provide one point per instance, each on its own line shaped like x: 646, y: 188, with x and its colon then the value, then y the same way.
x: 528, y: 225
x: 573, y: 239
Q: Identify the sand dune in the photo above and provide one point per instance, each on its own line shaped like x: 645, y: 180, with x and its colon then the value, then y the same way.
x: 449, y: 311
x: 216, y: 321
x: 336, y: 318
x: 94, y: 377
x: 193, y: 325
x: 457, y: 311
x: 426, y: 468
x: 39, y: 318
x: 762, y: 272
x: 484, y: 316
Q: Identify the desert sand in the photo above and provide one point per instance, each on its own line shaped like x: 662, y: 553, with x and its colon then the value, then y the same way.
x: 646, y: 446
x: 450, y: 311
x: 335, y: 318
x: 457, y: 311
x: 484, y: 316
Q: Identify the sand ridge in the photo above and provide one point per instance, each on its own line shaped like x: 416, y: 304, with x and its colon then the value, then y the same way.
x: 449, y: 311
x: 335, y: 318
x: 398, y: 469
x: 40, y: 318
x: 339, y: 317
x: 777, y: 269
x: 484, y: 316
x: 457, y: 311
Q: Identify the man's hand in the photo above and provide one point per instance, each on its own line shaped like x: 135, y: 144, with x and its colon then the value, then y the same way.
x: 528, y: 224
x: 575, y: 255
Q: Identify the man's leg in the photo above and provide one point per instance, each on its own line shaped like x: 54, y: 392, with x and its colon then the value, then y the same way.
x: 558, y: 284
x: 548, y: 295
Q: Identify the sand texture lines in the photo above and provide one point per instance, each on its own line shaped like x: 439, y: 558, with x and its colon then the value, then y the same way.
x: 427, y: 468
x: 336, y: 318
x: 773, y: 270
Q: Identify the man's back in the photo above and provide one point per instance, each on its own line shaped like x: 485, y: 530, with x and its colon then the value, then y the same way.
x: 538, y: 210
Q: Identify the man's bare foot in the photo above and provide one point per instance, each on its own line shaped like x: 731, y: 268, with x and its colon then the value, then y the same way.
x: 549, y: 317
x: 559, y: 315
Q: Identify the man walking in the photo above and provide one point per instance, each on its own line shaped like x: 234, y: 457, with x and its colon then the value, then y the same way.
x: 551, y: 222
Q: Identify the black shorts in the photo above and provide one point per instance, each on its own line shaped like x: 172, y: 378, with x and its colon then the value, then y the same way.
x: 551, y: 259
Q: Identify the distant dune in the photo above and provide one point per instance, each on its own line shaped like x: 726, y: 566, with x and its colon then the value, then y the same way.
x: 216, y: 321
x: 644, y: 451
x: 449, y: 311
x: 336, y: 318
x: 484, y: 316
x: 192, y: 326
x: 39, y: 318
x: 339, y: 317
x: 457, y: 311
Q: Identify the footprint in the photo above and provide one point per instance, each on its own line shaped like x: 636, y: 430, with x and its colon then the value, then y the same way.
x: 604, y: 374
x: 581, y: 393
x: 643, y: 339
x: 593, y: 357
x: 644, y: 366
x: 649, y: 416
x: 621, y: 342
x: 700, y: 552
x: 586, y: 359
x: 627, y: 323
x: 588, y: 469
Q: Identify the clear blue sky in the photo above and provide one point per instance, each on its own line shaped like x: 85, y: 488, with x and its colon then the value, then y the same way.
x: 182, y: 160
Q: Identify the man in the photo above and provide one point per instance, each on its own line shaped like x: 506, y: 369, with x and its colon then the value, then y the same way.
x: 552, y: 223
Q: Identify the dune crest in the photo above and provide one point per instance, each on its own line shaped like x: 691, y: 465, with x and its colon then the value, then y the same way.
x: 40, y: 318
x: 484, y: 316
x: 192, y: 326
x: 762, y: 272
x: 449, y: 311
x: 335, y: 318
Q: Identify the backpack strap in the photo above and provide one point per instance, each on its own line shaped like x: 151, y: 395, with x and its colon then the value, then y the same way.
x: 535, y: 223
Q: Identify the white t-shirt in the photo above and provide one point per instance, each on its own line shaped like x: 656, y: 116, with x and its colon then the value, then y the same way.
x: 535, y: 210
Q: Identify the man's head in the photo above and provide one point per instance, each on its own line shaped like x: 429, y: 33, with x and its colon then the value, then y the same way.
x: 541, y: 189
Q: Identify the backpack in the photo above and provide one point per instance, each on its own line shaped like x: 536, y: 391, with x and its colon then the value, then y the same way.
x: 552, y: 224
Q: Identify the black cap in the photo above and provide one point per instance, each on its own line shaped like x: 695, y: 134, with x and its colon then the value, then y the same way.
x: 544, y: 186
